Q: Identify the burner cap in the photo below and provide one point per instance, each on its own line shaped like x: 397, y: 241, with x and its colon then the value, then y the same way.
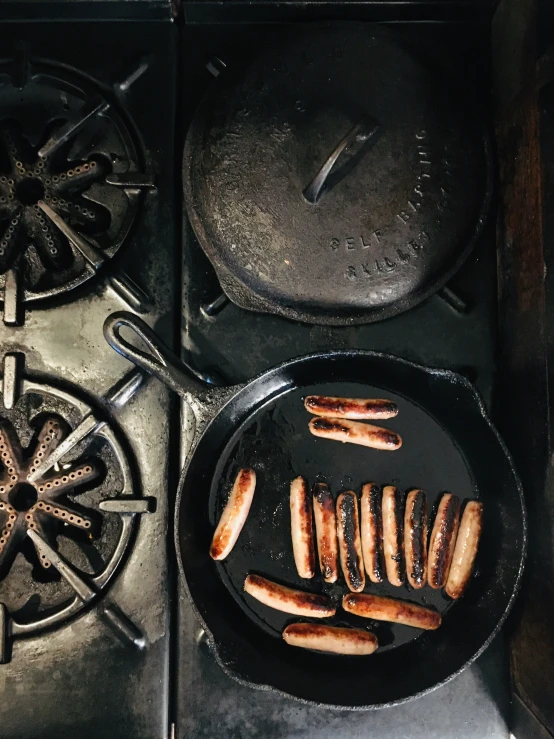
x: 337, y: 180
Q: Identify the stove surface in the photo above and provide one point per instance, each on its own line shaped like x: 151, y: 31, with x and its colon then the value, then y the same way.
x: 85, y: 617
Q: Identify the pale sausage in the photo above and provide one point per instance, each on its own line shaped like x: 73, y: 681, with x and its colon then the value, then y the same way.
x: 326, y: 531
x: 372, y: 532
x: 465, y: 550
x: 301, y: 528
x: 389, y: 609
x: 288, y: 600
x: 334, y: 639
x: 234, y: 514
x: 368, y: 408
x: 354, y: 432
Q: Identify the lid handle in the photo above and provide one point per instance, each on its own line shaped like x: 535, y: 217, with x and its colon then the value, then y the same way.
x: 359, y: 135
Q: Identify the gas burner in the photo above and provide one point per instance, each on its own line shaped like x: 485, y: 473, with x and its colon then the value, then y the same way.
x: 33, y: 505
x: 67, y: 504
x: 70, y: 179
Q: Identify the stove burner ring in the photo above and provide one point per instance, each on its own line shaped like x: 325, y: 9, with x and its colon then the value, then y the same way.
x: 86, y: 500
x: 69, y: 176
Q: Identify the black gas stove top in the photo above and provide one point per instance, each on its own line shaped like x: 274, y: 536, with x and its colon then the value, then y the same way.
x: 92, y: 117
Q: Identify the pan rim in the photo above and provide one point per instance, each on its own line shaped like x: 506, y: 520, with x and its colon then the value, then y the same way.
x: 446, y: 374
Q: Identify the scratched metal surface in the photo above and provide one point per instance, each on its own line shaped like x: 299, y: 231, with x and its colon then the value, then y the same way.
x: 82, y: 679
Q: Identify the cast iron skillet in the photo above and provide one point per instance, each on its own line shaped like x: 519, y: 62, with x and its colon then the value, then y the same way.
x: 449, y: 444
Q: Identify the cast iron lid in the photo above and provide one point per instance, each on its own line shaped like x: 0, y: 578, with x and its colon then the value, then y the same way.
x: 338, y: 179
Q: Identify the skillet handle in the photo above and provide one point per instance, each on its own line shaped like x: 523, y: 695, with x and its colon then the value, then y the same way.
x: 159, y: 360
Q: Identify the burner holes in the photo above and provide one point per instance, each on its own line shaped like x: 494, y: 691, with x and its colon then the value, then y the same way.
x: 23, y: 497
x: 87, y: 524
x: 29, y: 191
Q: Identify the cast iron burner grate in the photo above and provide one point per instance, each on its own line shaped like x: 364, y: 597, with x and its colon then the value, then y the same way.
x: 67, y: 504
x: 70, y: 178
x: 37, y: 505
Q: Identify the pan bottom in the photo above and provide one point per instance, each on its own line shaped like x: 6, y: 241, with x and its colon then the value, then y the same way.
x: 276, y: 442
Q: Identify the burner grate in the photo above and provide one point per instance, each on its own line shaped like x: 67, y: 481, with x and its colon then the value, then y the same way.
x: 71, y: 180
x: 67, y: 504
x: 37, y: 506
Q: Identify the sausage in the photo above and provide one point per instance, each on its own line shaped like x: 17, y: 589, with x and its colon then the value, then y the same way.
x: 443, y: 540
x: 372, y: 532
x: 465, y: 550
x: 288, y: 600
x: 389, y: 609
x: 234, y: 514
x: 331, y: 407
x: 326, y: 531
x: 301, y: 527
x: 350, y: 545
x: 393, y: 538
x: 354, y: 432
x: 415, y: 538
x: 331, y: 639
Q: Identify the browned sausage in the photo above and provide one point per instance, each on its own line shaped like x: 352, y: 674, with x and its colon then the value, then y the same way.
x: 288, y: 600
x: 326, y: 531
x: 372, y: 532
x: 234, y: 514
x: 389, y: 609
x: 465, y: 550
x: 393, y: 538
x: 330, y: 407
x: 350, y: 545
x: 301, y: 527
x: 330, y: 639
x: 443, y: 540
x: 415, y: 538
x: 354, y: 432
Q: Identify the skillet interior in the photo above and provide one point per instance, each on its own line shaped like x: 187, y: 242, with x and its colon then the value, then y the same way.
x: 448, y: 445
